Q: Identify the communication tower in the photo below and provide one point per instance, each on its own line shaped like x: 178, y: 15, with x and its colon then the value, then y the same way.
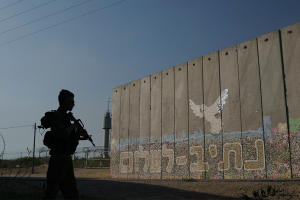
x: 106, y: 127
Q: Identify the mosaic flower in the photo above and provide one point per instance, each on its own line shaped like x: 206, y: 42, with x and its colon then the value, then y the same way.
x: 267, y: 121
x: 282, y: 127
x: 275, y: 130
x: 113, y: 142
x: 294, y: 124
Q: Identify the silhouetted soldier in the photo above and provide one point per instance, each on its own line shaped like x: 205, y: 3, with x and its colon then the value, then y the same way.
x: 60, y: 174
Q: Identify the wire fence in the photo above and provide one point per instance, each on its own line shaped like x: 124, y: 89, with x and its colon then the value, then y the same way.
x: 85, y: 157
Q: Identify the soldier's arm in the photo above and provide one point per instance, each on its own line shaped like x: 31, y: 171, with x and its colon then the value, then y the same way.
x: 58, y: 128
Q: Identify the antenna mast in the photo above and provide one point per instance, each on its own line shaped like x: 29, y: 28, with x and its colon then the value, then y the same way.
x: 108, y: 105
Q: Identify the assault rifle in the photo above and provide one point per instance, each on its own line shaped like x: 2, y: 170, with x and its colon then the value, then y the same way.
x: 80, y: 125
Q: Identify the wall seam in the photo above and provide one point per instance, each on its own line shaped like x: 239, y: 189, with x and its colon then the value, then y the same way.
x: 148, y: 175
x: 261, y: 104
x: 119, y: 174
x: 141, y: 141
x: 285, y: 98
x: 203, y: 118
x: 241, y: 124
x: 174, y: 127
x: 220, y: 91
x: 161, y: 141
x: 128, y: 125
x: 188, y: 120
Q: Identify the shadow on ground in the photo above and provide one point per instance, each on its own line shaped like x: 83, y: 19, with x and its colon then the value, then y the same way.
x: 107, y: 189
x: 129, y: 190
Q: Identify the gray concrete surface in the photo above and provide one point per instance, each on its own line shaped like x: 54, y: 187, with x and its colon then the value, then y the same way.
x: 181, y: 122
x: 145, y: 119
x: 250, y: 97
x: 156, y: 116
x: 291, y: 63
x: 124, y: 167
x: 134, y: 123
x: 273, y: 98
x: 229, y: 78
x: 196, y: 124
x: 231, y: 113
x: 168, y: 114
x: 212, y: 127
x: 115, y: 130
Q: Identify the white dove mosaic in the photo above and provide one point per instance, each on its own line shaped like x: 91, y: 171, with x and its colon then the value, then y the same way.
x: 210, y: 112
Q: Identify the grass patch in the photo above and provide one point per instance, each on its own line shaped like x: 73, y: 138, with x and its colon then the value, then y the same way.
x: 188, y: 179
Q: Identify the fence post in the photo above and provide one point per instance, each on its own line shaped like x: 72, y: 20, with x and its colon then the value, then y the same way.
x: 33, y: 148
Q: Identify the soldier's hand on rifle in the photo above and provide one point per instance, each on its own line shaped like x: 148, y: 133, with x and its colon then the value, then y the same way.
x: 84, y: 134
x: 73, y: 127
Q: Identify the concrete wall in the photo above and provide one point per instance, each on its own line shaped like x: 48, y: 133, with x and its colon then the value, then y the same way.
x: 232, y: 114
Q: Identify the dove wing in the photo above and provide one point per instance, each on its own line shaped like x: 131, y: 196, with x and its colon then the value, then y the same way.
x: 220, y: 102
x: 196, y: 109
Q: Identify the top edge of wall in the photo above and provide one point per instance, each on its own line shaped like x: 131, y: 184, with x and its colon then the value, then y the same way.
x: 293, y: 26
x: 273, y: 33
x: 232, y: 48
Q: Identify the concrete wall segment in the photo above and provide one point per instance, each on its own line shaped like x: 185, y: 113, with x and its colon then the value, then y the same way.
x: 231, y: 112
x: 211, y: 93
x: 125, y: 160
x: 156, y: 95
x: 134, y: 124
x: 115, y: 132
x: 250, y: 94
x: 156, y: 125
x: 212, y: 116
x: 229, y: 79
x: 251, y: 109
x: 196, y: 123
x: 290, y: 49
x: 181, y: 121
x: 145, y: 126
x: 145, y: 113
x: 168, y: 123
x: 273, y: 96
x: 290, y: 37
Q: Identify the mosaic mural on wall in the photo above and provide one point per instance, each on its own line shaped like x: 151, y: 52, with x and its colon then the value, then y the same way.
x: 254, y: 154
x: 238, y: 160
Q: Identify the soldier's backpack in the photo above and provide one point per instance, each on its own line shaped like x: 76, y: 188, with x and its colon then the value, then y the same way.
x: 67, y: 147
x: 45, y: 123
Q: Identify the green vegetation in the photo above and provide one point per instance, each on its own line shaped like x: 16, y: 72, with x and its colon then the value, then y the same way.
x: 261, y: 194
x: 25, y: 162
x: 79, y: 162
x: 188, y: 179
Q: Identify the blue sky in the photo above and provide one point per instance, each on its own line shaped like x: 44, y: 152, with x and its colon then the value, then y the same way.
x: 95, y: 53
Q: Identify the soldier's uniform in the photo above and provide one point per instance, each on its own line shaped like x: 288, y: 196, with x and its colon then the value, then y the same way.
x: 60, y: 174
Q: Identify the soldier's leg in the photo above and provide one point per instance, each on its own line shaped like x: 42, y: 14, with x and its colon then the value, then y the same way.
x: 54, y: 176
x: 68, y: 187
x: 51, y: 191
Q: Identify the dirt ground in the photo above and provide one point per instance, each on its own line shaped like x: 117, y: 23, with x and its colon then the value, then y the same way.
x: 98, y: 184
x: 41, y: 171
